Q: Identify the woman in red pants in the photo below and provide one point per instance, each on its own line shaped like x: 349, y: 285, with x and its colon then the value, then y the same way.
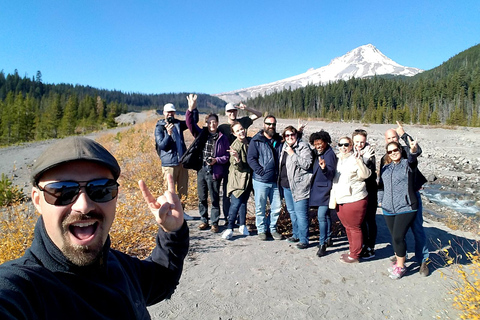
x: 350, y: 195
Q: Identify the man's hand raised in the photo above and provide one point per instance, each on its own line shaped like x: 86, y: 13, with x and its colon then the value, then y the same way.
x: 167, y: 208
x: 192, y: 101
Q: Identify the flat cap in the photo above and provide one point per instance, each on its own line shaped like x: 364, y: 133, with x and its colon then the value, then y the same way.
x: 73, y: 149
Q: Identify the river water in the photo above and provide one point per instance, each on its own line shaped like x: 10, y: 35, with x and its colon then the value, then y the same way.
x: 460, y: 202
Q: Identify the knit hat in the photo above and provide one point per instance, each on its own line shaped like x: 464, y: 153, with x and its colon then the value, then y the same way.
x: 169, y: 107
x: 73, y: 149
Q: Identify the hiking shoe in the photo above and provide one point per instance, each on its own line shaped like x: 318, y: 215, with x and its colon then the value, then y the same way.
x: 424, y: 271
x: 203, y: 226
x: 322, y: 251
x: 276, y: 235
x: 214, y: 228
x: 227, y: 234
x: 367, y: 253
x: 397, y: 272
x: 347, y: 259
x: 292, y: 239
x: 186, y: 217
x: 262, y: 236
x: 244, y: 230
x: 392, y: 266
x: 302, y: 245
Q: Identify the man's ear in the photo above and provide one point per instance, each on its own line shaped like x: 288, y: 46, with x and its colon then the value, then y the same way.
x: 36, y: 199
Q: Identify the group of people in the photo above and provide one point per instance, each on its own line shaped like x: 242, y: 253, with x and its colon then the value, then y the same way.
x: 306, y: 175
x: 70, y: 270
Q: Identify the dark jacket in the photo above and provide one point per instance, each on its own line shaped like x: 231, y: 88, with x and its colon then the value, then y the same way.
x: 396, y: 187
x: 321, y: 182
x: 193, y: 157
x: 263, y: 157
x: 170, y: 148
x: 43, y: 284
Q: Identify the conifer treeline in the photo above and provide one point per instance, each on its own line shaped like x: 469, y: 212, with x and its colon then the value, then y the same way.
x: 31, y: 110
x: 448, y: 94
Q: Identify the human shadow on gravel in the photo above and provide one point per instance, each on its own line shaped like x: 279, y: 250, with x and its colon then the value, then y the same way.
x: 441, y: 244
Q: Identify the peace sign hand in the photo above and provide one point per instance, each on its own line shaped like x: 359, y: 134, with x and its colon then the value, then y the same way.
x: 399, y: 129
x: 413, y: 145
x: 167, y: 208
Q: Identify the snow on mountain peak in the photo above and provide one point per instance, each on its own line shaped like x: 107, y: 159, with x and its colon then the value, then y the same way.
x: 361, y: 62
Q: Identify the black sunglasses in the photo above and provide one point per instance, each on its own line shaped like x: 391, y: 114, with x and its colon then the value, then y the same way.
x: 270, y: 124
x: 63, y: 193
x: 344, y: 144
x: 392, y: 151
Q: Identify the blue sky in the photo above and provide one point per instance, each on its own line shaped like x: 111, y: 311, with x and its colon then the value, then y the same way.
x: 211, y: 47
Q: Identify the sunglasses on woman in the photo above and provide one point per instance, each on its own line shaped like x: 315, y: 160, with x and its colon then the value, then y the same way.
x: 63, y: 193
x: 392, y: 151
x: 344, y: 145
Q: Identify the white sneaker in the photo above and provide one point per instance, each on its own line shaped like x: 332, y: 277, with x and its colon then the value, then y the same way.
x: 227, y: 234
x: 243, y: 230
x: 186, y: 217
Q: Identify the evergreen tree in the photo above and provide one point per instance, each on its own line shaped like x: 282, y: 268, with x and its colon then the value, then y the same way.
x: 69, y: 120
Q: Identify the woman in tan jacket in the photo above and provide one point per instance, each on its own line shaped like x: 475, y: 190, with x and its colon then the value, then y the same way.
x: 350, y: 196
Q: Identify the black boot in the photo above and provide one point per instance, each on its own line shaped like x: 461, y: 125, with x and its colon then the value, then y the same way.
x: 322, y: 251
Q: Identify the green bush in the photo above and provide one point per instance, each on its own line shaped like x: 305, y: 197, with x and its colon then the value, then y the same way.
x: 9, y: 193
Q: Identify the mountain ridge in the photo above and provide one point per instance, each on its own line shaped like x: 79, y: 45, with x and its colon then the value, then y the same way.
x: 361, y: 62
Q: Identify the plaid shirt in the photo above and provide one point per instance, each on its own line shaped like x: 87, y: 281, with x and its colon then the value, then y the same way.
x: 209, y: 150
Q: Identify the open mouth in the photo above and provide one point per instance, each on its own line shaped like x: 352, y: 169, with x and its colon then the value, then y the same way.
x: 84, y: 231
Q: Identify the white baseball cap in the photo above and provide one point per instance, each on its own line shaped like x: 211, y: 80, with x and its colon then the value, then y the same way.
x: 169, y: 107
x: 229, y: 107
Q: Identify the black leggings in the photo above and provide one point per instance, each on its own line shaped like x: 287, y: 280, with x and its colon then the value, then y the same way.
x: 398, y: 226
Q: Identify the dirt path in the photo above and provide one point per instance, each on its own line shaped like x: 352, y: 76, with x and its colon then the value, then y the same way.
x: 250, y: 279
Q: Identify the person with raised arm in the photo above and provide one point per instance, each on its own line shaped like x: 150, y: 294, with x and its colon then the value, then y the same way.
x: 208, y: 155
x: 70, y: 271
x: 398, y: 200
x: 421, y: 248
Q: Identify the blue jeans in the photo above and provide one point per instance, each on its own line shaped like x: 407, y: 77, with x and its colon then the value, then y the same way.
x: 324, y: 224
x: 298, y: 211
x: 206, y: 185
x: 238, y: 208
x: 421, y: 248
x: 264, y: 191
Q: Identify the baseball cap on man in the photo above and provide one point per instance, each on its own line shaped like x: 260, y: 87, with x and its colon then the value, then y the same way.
x: 169, y: 107
x: 73, y: 149
x: 229, y: 107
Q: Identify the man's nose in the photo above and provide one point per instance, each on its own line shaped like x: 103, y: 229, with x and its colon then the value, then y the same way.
x: 83, y: 203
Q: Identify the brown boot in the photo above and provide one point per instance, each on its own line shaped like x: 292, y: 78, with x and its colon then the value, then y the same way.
x: 204, y: 226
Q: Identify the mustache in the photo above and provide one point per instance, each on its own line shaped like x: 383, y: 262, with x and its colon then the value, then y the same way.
x: 75, y: 217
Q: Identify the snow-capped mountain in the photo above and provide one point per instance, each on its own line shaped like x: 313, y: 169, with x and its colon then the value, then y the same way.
x: 364, y: 61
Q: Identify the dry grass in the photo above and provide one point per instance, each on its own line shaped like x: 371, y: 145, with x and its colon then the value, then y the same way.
x: 466, y: 281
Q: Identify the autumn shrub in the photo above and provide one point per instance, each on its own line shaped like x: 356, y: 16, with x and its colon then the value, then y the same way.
x: 16, y: 234
x: 134, y: 228
x: 466, y: 281
x: 9, y: 193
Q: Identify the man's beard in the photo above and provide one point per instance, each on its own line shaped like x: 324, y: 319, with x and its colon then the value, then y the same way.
x: 270, y: 132
x: 78, y: 254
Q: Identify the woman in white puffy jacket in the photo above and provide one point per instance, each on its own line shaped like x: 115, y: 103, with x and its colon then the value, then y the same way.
x: 349, y: 196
